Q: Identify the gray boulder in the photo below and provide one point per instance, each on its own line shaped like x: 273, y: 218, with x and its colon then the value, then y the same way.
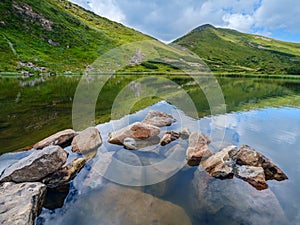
x: 158, y: 119
x: 36, y: 166
x: 21, y: 203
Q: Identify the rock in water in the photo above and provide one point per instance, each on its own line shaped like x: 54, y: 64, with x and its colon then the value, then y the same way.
x: 65, y: 174
x: 168, y: 137
x: 158, y: 119
x: 220, y: 165
x: 198, y: 148
x: 62, y: 138
x: 119, y: 205
x: 36, y: 166
x: 250, y: 157
x: 87, y: 142
x: 21, y: 203
x: 136, y: 130
x: 233, y: 202
x: 253, y: 175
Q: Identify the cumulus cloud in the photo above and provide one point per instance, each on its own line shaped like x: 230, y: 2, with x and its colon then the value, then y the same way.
x: 168, y: 20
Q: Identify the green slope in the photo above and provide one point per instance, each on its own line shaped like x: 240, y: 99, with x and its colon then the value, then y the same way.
x: 226, y: 50
x: 55, y: 34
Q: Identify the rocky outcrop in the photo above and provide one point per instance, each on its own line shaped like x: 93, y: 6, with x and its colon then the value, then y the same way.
x: 168, y: 137
x: 253, y: 175
x: 87, y: 142
x: 136, y: 130
x: 233, y: 202
x: 198, y: 148
x: 248, y: 156
x: 62, y: 138
x: 126, y: 206
x: 158, y: 119
x: 246, y: 164
x: 36, y: 166
x: 65, y: 174
x: 21, y: 203
x: 220, y: 164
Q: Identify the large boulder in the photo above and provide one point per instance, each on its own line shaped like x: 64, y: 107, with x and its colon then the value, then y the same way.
x: 233, y: 202
x: 62, y: 138
x: 220, y: 164
x: 250, y: 157
x: 65, y: 174
x: 119, y: 205
x: 198, y: 148
x: 136, y: 130
x: 36, y: 166
x: 21, y: 203
x: 87, y: 142
x: 158, y: 119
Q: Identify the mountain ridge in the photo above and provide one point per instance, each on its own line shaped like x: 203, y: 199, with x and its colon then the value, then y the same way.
x: 228, y: 50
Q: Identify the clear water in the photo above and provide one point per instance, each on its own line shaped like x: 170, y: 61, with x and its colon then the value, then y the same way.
x: 264, y: 114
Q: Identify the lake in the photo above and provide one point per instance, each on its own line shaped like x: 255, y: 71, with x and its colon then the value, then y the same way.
x: 262, y: 113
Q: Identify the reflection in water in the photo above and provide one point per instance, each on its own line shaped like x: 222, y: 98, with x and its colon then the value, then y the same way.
x: 205, y: 200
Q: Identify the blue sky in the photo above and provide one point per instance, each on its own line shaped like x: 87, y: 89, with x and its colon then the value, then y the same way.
x: 169, y: 19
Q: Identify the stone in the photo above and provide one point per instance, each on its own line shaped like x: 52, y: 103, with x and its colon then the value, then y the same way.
x: 168, y: 137
x: 253, y: 175
x: 21, y: 203
x: 250, y: 157
x: 198, y: 148
x: 120, y: 205
x: 62, y: 138
x: 87, y: 142
x: 136, y: 130
x: 158, y: 119
x: 36, y: 166
x: 184, y: 134
x: 65, y: 174
x: 233, y: 202
x: 220, y: 165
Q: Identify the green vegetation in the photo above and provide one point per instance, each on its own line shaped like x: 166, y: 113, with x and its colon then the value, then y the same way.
x: 57, y: 35
x: 35, y: 108
x: 230, y: 51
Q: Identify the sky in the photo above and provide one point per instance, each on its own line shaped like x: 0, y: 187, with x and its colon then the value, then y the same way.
x: 168, y: 20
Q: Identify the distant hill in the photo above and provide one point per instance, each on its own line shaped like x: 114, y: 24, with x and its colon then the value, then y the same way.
x: 226, y: 50
x: 57, y: 35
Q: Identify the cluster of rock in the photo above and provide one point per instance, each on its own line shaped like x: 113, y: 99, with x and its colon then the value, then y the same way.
x: 49, y: 165
x: 245, y: 163
x: 25, y: 182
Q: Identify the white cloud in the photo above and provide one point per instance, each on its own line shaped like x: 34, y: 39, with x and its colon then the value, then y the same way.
x: 108, y: 9
x: 168, y: 20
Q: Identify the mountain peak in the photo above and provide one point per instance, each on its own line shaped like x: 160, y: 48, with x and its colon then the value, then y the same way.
x: 204, y: 27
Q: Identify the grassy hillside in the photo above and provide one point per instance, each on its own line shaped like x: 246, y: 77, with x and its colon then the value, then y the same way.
x: 226, y: 50
x: 55, y: 34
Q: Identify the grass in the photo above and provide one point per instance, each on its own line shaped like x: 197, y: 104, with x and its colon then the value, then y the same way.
x: 230, y: 51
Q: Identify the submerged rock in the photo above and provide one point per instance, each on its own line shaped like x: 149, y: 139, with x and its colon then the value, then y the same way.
x: 137, y: 144
x: 21, y: 203
x: 87, y: 142
x: 158, y: 119
x: 168, y: 137
x: 250, y: 157
x: 220, y: 164
x: 198, y: 148
x: 65, y: 174
x: 253, y: 175
x: 62, y: 138
x: 233, y: 202
x: 184, y: 134
x: 36, y: 166
x: 119, y: 205
x: 136, y: 130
